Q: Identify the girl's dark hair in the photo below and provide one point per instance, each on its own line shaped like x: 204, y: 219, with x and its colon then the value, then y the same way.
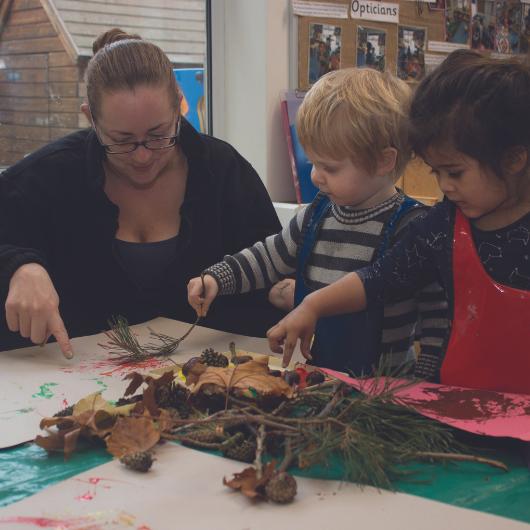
x: 476, y: 104
x: 124, y: 61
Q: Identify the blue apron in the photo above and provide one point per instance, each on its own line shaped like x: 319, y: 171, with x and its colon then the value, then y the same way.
x: 349, y: 342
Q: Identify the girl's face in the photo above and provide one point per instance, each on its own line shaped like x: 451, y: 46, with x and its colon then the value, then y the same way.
x: 145, y: 113
x: 475, y: 189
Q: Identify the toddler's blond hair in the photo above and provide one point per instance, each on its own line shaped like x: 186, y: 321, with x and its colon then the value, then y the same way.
x: 356, y: 113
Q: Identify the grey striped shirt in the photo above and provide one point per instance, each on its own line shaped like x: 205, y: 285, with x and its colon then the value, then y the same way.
x: 347, y: 241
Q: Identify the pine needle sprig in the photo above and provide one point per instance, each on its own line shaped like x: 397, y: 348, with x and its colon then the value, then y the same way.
x: 122, y: 343
x: 125, y: 347
x: 371, y: 435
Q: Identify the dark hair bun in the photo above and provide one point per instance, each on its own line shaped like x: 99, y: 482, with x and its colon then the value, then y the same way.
x: 110, y: 36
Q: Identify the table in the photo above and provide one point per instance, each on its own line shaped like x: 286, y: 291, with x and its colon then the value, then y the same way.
x: 184, y: 489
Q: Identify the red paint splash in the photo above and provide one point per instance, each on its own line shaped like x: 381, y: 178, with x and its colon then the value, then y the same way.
x: 45, y: 522
x: 91, y: 494
x: 112, y: 367
x: 86, y: 497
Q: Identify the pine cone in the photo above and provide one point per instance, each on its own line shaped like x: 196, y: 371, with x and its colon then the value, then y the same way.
x: 173, y: 396
x: 68, y: 411
x: 202, y: 436
x: 210, y: 357
x: 138, y: 461
x: 281, y: 488
x: 129, y: 400
x: 244, y: 451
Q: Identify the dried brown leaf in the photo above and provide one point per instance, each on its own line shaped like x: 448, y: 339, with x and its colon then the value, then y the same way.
x: 132, y: 435
x: 252, y: 374
x: 248, y: 483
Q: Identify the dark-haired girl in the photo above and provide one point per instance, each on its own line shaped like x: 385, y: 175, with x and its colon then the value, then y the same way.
x: 115, y: 219
x: 470, y: 120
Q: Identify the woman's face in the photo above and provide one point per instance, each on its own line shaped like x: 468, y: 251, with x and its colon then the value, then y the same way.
x: 145, y: 113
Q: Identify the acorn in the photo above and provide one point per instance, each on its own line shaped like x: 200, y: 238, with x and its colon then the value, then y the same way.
x: 281, y: 488
x: 291, y: 377
x: 190, y: 364
x: 241, y: 359
x: 314, y: 378
x: 140, y: 461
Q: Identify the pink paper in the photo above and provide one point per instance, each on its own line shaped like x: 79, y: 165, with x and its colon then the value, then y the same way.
x: 478, y: 411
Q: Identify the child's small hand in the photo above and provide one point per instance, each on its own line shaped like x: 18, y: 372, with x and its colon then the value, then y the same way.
x: 201, y: 296
x: 281, y: 295
x: 298, y: 324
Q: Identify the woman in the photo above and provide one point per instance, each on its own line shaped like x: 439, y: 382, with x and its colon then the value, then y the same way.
x: 114, y: 220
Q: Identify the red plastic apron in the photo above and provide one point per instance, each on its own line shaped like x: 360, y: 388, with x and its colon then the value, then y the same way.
x: 489, y: 346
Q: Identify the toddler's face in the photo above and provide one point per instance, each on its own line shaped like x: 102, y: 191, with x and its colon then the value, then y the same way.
x: 476, y: 190
x: 345, y: 182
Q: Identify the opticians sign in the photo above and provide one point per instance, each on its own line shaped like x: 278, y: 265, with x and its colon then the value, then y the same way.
x: 367, y: 10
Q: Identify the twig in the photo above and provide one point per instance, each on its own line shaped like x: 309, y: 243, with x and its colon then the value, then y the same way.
x: 337, y: 396
x: 461, y: 457
x: 287, y: 457
x: 259, y: 451
x: 192, y: 442
x: 229, y: 383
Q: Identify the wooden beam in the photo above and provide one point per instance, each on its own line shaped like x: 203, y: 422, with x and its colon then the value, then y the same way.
x: 59, y: 25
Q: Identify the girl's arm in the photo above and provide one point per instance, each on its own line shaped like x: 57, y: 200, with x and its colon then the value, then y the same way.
x: 408, y: 266
x: 346, y: 295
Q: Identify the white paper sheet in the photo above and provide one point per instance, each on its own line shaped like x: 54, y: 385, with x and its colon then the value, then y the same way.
x: 37, y: 382
x: 184, y: 490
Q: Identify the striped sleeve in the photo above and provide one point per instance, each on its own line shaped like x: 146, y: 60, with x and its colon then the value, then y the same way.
x: 432, y: 330
x: 262, y: 264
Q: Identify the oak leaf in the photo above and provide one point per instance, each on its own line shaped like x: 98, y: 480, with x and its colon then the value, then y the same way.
x: 248, y: 483
x: 132, y: 435
x: 252, y: 374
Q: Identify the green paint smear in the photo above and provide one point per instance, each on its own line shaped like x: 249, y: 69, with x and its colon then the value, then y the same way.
x: 44, y: 391
x: 102, y: 384
x: 26, y: 469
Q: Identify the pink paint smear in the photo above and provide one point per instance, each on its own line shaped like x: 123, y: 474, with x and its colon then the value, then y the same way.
x: 96, y: 521
x: 77, y: 523
x: 483, y: 412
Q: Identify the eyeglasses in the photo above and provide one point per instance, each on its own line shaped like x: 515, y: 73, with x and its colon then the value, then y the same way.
x: 156, y: 144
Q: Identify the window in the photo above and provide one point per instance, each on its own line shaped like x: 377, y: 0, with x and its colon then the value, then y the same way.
x: 45, y: 46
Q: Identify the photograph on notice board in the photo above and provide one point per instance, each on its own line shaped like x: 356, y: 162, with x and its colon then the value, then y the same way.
x: 509, y: 18
x: 525, y: 31
x: 324, y: 50
x: 437, y: 5
x: 457, y: 21
x: 411, y: 53
x: 371, y: 44
x: 483, y: 26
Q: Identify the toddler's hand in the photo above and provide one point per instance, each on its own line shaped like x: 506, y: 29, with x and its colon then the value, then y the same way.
x: 281, y: 295
x: 299, y: 324
x: 200, y: 296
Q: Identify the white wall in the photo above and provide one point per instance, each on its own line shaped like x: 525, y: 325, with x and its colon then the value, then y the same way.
x: 252, y: 60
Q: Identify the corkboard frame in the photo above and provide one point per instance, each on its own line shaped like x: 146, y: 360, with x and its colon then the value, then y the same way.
x: 412, y: 14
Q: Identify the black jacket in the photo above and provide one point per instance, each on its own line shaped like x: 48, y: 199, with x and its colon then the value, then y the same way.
x: 53, y: 211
